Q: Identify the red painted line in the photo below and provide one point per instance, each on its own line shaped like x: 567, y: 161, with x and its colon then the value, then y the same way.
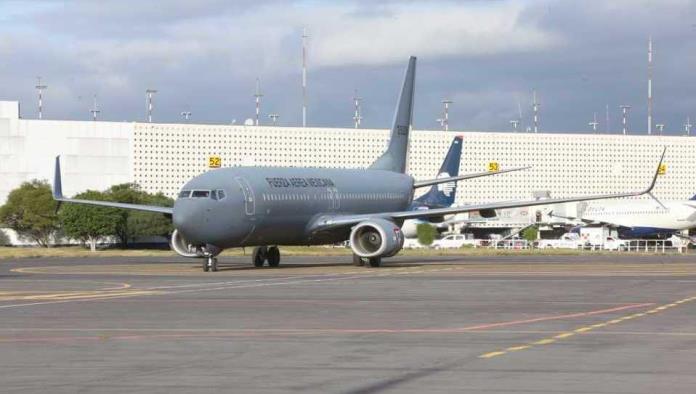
x: 252, y: 332
x: 557, y: 317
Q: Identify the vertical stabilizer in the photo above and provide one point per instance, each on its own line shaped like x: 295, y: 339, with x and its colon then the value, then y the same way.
x: 442, y: 195
x: 394, y: 158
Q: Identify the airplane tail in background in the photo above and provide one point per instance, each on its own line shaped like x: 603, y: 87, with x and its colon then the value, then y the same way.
x: 442, y: 195
x: 394, y: 158
x: 693, y: 198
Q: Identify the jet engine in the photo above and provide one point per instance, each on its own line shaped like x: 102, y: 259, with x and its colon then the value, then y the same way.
x: 183, y: 248
x: 376, y: 238
x: 186, y: 249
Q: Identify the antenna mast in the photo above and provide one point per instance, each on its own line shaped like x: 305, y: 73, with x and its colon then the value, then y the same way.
x: 304, y: 77
x: 650, y: 75
x: 445, y: 120
x: 149, y: 93
x: 40, y: 88
x: 357, y: 116
x: 258, y: 96
x: 535, y: 108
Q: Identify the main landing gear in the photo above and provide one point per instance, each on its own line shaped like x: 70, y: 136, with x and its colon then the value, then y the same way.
x: 364, y: 261
x: 210, y: 264
x: 262, y: 254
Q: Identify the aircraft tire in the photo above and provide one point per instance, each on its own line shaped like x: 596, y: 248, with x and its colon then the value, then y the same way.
x: 205, y: 265
x: 358, y: 261
x: 258, y: 257
x: 375, y: 262
x: 213, y: 264
x: 273, y: 256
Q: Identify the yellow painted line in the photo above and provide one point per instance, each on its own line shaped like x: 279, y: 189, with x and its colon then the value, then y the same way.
x: 492, y: 354
x: 544, y: 341
x: 563, y: 335
x: 516, y: 348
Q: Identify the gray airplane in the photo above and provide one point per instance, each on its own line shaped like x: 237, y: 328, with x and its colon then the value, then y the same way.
x: 268, y: 206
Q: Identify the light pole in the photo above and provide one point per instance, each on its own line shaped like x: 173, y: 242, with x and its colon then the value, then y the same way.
x: 95, y: 110
x: 594, y: 123
x: 660, y: 127
x: 687, y: 126
x: 514, y: 124
x: 624, y: 119
x: 274, y: 118
x: 186, y: 115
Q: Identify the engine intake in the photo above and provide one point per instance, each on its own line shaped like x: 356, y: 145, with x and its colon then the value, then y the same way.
x: 183, y: 248
x: 376, y: 238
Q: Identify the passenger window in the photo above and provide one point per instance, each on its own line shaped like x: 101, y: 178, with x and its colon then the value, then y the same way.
x: 200, y: 194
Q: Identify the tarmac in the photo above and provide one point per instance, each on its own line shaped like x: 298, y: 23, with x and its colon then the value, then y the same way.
x: 494, y: 324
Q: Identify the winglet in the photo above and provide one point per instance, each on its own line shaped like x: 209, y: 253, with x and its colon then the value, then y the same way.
x: 657, y: 172
x: 57, y: 183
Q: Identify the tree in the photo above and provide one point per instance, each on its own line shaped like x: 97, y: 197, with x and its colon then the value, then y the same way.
x: 4, y: 239
x: 89, y: 223
x: 426, y: 233
x: 144, y: 224
x: 137, y: 223
x: 31, y: 211
x: 530, y: 233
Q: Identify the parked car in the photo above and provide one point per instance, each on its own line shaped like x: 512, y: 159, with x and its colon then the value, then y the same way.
x: 412, y: 243
x: 453, y: 241
x: 567, y: 241
x: 611, y: 243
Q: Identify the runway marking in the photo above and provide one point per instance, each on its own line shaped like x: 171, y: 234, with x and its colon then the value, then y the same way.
x: 586, y: 329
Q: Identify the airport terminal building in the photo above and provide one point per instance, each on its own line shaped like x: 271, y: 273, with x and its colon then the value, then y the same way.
x: 162, y: 157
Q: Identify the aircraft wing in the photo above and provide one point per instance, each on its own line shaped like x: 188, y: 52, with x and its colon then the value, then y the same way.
x: 586, y: 221
x: 436, y: 181
x: 335, y: 221
x: 58, y: 196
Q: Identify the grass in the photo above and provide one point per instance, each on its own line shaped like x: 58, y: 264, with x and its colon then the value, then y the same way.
x: 79, y: 252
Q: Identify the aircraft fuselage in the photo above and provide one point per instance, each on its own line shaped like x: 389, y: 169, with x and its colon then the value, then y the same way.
x: 276, y: 205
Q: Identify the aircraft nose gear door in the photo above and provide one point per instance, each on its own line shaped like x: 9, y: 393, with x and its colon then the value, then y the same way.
x: 249, y: 203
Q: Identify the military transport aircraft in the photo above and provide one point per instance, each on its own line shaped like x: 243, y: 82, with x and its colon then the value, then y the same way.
x: 269, y: 206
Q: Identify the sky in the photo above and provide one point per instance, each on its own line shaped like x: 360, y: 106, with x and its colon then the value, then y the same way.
x: 487, y: 57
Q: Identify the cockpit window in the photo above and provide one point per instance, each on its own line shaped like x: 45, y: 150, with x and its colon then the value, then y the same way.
x: 220, y: 194
x: 200, y: 194
x: 184, y: 194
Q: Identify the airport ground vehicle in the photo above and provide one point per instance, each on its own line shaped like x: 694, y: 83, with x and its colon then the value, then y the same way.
x: 566, y: 241
x: 453, y: 241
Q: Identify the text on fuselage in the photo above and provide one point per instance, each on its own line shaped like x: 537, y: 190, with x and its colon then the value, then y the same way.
x: 300, y: 182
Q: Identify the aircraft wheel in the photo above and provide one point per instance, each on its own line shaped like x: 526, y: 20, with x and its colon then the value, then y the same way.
x: 358, y: 261
x: 205, y: 265
x: 375, y: 261
x: 212, y: 262
x: 273, y: 256
x: 258, y: 257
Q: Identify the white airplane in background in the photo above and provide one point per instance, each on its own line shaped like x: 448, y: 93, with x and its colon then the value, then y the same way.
x: 638, y: 218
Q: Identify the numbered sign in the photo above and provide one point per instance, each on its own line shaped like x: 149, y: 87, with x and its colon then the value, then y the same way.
x: 493, y: 166
x: 662, y: 170
x: 214, y: 162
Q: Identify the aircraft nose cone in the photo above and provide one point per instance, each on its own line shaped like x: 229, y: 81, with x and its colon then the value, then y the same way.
x: 187, y: 221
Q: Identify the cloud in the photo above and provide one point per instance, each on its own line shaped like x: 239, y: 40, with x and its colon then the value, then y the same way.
x: 467, y: 29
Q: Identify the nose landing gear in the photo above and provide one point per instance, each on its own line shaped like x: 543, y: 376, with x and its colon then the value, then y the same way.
x: 210, y: 264
x: 261, y: 254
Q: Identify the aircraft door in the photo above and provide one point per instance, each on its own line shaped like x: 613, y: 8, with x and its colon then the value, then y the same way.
x: 335, y: 201
x: 249, y: 202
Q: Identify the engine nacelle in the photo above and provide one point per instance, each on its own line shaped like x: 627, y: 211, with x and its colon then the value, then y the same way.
x: 183, y: 248
x: 376, y: 238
